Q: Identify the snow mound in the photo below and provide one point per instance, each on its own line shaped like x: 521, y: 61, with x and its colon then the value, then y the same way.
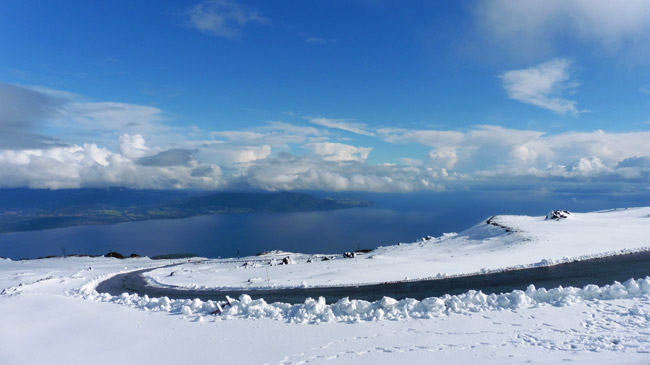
x: 558, y: 214
x: 351, y: 311
x: 491, y: 228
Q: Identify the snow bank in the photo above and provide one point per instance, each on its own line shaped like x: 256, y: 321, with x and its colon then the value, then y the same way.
x: 350, y: 311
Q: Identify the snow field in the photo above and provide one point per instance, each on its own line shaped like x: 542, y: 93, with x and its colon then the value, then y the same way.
x: 505, y: 243
x: 50, y: 312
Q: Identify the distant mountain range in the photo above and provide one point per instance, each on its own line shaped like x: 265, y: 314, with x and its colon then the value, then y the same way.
x: 37, y: 209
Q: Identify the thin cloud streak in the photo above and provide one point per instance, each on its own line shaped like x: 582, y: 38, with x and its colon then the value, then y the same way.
x: 342, y: 124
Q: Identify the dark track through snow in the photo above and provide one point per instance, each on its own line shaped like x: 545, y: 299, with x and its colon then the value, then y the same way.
x: 595, y: 271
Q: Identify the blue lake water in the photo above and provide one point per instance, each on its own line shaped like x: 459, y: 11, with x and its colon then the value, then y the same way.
x: 393, y: 218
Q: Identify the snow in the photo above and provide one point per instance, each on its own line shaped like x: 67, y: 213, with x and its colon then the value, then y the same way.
x: 507, y: 242
x: 50, y: 312
x: 353, y: 311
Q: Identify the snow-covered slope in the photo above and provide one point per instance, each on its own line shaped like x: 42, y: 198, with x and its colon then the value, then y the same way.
x: 50, y: 312
x: 498, y: 243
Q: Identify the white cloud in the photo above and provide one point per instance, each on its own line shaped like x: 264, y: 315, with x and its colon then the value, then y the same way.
x: 288, y: 172
x: 26, y: 112
x: 223, y: 18
x: 533, y: 26
x: 432, y: 138
x: 493, y: 150
x: 111, y: 116
x: 229, y: 155
x: 411, y: 161
x: 132, y: 146
x: 483, y: 154
x: 329, y: 151
x: 443, y: 157
x: 274, y: 134
x: 238, y: 135
x: 265, y: 157
x: 342, y: 124
x: 92, y: 166
x: 587, y: 165
x: 249, y: 154
x: 543, y: 86
x: 293, y: 129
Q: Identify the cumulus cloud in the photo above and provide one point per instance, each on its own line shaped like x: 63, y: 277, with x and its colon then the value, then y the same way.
x: 289, y: 172
x: 543, y: 86
x: 329, y: 151
x: 533, y: 26
x: 222, y: 18
x: 443, y: 157
x: 283, y: 156
x: 233, y: 155
x: 132, y: 146
x: 333, y: 167
x: 91, y: 166
x: 494, y: 150
x: 485, y: 153
x: 343, y: 124
x: 586, y: 165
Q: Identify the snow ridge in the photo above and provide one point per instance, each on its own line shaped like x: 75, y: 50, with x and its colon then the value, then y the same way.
x: 158, y: 283
x: 351, y: 311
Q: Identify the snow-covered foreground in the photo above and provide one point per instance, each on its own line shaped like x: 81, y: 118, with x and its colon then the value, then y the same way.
x: 506, y: 242
x: 50, y: 313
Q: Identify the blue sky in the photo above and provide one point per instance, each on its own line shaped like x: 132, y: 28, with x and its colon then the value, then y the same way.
x: 352, y: 95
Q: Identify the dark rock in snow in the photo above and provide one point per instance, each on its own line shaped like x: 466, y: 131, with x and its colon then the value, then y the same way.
x: 349, y: 255
x: 558, y: 214
x: 114, y: 254
x: 492, y: 221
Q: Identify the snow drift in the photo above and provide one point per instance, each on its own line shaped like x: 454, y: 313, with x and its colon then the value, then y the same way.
x: 350, y: 311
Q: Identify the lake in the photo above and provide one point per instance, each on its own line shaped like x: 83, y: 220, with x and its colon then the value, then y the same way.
x: 394, y: 218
